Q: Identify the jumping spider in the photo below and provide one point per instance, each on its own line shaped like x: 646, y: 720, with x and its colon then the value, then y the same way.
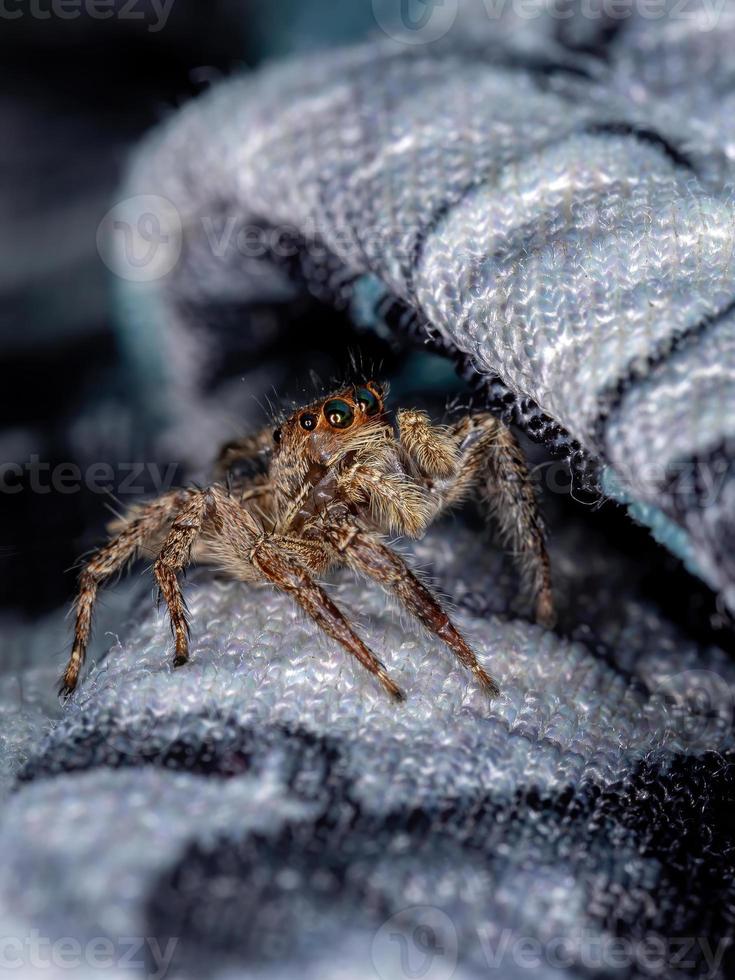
x: 338, y: 478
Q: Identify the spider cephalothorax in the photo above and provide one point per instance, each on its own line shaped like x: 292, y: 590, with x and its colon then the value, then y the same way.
x: 339, y: 476
x: 323, y: 437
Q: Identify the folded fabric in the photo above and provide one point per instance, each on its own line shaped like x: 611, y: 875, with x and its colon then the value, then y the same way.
x: 266, y: 811
x: 561, y: 222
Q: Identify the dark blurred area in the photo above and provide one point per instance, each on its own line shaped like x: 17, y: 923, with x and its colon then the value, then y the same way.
x: 80, y: 83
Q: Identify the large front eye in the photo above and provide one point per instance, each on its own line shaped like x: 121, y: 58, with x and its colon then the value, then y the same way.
x: 277, y: 435
x: 367, y: 401
x: 308, y: 421
x: 338, y: 414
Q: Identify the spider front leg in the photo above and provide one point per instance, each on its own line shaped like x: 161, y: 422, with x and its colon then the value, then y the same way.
x: 396, y: 501
x: 140, y: 527
x: 365, y: 553
x: 246, y: 552
x: 430, y: 448
x: 493, y: 461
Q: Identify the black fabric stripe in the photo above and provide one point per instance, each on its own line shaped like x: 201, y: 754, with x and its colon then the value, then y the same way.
x: 598, y: 42
x: 649, y: 137
x: 643, y: 134
x: 429, y: 229
x: 230, y: 901
x: 612, y: 397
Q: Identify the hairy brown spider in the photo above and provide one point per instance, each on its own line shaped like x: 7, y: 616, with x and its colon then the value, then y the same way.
x: 339, y: 477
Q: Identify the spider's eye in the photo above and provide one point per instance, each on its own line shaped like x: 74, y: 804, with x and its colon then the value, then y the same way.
x: 308, y: 421
x: 338, y: 414
x: 367, y: 401
x: 277, y: 435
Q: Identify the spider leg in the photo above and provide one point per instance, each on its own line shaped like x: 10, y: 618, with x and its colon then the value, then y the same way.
x: 366, y: 554
x: 510, y: 494
x: 241, y: 546
x: 256, y: 447
x: 397, y: 502
x: 315, y: 602
x: 493, y: 461
x: 138, y: 528
x: 430, y: 447
x: 173, y: 558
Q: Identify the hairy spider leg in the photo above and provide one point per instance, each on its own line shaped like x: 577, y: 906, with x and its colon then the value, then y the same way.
x: 138, y: 528
x: 493, y: 462
x: 366, y: 554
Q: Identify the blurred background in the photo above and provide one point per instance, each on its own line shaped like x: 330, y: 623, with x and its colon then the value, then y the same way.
x: 79, y: 84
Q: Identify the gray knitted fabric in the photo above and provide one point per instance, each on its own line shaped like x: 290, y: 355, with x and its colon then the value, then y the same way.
x: 270, y: 810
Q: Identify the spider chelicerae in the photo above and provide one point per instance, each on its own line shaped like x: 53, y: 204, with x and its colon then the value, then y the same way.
x: 339, y: 475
